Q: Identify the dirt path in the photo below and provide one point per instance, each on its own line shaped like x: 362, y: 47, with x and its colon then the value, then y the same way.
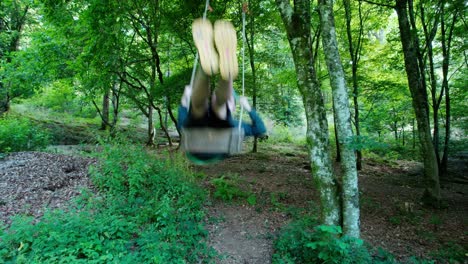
x: 242, y: 232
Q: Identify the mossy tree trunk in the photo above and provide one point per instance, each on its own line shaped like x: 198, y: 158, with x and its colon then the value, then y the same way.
x: 297, y: 23
x: 409, y: 40
x: 349, y: 180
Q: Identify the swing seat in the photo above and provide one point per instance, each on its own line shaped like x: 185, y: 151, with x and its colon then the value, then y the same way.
x: 209, y: 140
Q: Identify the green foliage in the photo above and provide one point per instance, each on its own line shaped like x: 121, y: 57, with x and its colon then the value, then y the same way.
x: 451, y: 253
x: 147, y: 211
x: 365, y: 142
x: 275, y: 200
x: 303, y: 241
x: 281, y: 134
x: 383, y: 257
x: 386, y: 152
x: 60, y: 96
x: 252, y: 199
x: 285, y: 134
x: 226, y: 189
x: 21, y: 135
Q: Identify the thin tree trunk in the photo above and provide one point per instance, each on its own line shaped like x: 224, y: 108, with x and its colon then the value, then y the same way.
x: 171, y: 115
x: 414, y: 134
x: 402, y: 134
x: 444, y: 161
x: 354, y: 55
x: 350, y: 191
x: 115, y: 106
x: 297, y: 23
x: 164, y: 128
x: 429, y: 35
x: 446, y: 46
x: 105, y: 110
x: 151, y: 131
x: 4, y: 103
x: 250, y: 40
x: 409, y: 42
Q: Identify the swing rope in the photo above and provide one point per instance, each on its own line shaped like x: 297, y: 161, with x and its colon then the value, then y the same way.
x: 243, y: 66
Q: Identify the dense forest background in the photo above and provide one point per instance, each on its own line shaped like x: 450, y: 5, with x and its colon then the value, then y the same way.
x: 381, y: 80
x: 101, y: 59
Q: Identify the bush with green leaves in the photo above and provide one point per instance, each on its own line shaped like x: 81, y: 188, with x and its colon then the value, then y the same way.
x: 61, y: 96
x: 147, y: 209
x: 284, y: 134
x: 226, y: 188
x: 304, y: 241
x: 19, y: 134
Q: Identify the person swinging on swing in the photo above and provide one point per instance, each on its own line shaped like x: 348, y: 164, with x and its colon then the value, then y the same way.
x: 202, y: 108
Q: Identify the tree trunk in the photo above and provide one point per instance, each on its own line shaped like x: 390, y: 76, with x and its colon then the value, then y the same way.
x: 409, y: 42
x: 169, y: 140
x: 414, y: 134
x: 151, y: 130
x: 115, y: 106
x: 4, y: 102
x: 297, y: 23
x: 446, y: 46
x: 444, y: 161
x: 105, y: 110
x: 249, y: 39
x: 402, y: 134
x: 335, y: 129
x: 350, y: 191
x: 171, y: 115
x: 354, y: 55
x: 429, y: 35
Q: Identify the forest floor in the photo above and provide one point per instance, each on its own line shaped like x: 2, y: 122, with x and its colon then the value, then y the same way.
x: 271, y: 187
x: 391, y: 215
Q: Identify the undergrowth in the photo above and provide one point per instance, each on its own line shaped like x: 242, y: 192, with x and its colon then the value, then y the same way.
x: 147, y: 210
x: 306, y: 241
x: 19, y: 134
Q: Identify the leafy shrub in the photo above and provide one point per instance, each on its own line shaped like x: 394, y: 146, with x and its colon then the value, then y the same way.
x: 303, y: 241
x: 227, y: 189
x: 21, y: 135
x: 451, y: 253
x: 147, y: 211
x: 284, y: 134
x: 61, y: 96
x: 363, y: 142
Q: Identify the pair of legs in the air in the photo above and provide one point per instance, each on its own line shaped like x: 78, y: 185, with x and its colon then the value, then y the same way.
x: 217, y: 51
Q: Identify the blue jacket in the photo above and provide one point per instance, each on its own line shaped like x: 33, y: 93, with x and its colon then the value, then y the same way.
x: 256, y: 128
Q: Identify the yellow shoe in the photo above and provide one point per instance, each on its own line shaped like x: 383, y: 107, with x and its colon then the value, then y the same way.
x: 202, y: 32
x: 226, y: 43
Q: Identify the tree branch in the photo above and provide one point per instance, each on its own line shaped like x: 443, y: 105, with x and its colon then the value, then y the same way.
x: 378, y: 4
